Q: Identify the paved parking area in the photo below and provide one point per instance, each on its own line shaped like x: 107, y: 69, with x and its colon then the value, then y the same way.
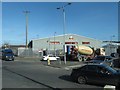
x: 56, y: 64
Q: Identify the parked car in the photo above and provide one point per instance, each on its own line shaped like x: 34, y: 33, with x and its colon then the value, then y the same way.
x: 50, y: 57
x: 116, y: 63
x: 0, y: 54
x: 96, y: 74
x: 7, y: 54
x: 102, y: 60
x: 102, y: 57
x: 107, y: 62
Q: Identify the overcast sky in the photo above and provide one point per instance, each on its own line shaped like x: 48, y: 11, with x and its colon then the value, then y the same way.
x: 98, y: 20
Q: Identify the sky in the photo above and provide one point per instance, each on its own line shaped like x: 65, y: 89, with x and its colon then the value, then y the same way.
x: 98, y: 20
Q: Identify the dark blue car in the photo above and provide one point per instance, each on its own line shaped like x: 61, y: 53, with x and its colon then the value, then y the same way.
x: 96, y: 73
x: 7, y: 54
x: 102, y: 60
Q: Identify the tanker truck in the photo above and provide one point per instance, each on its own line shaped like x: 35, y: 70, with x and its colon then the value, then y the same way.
x: 83, y: 53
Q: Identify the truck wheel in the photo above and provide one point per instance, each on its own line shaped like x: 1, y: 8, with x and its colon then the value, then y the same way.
x: 84, y: 59
x: 80, y: 59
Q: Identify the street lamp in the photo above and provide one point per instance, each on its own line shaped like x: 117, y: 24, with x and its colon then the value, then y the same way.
x: 26, y: 14
x: 54, y: 43
x: 64, y: 29
x: 111, y: 40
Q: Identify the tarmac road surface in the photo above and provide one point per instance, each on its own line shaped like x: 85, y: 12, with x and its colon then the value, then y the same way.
x: 22, y: 74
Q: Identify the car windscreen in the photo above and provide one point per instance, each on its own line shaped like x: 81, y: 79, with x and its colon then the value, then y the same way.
x: 51, y: 56
x: 7, y: 51
x: 111, y: 69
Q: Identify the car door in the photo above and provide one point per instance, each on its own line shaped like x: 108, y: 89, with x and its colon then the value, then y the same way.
x: 91, y: 74
x: 105, y: 76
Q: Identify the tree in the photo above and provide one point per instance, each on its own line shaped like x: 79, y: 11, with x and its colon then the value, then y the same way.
x: 6, y: 45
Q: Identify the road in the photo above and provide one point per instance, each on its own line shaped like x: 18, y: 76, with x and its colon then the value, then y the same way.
x: 33, y: 74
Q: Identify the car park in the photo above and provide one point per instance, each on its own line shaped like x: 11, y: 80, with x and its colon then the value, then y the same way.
x: 7, y: 54
x: 97, y: 74
x: 50, y: 57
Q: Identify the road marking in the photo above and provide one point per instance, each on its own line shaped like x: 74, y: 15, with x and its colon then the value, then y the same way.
x: 51, y: 67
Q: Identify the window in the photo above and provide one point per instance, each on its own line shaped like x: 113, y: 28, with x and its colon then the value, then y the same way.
x: 91, y: 68
x: 99, y: 58
x: 103, y: 70
x: 83, y: 68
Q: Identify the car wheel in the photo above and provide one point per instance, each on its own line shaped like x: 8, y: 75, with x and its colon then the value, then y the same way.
x: 81, y: 80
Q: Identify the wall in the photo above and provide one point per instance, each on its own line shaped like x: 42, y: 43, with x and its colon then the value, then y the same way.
x: 110, y: 49
x: 43, y: 44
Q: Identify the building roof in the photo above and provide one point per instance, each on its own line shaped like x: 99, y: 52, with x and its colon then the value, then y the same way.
x: 17, y: 45
x: 111, y: 41
x: 66, y: 35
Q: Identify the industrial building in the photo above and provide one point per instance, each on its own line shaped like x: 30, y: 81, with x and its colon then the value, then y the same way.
x: 56, y: 43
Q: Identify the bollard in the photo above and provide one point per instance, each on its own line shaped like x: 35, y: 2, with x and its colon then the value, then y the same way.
x: 48, y: 61
x: 109, y: 87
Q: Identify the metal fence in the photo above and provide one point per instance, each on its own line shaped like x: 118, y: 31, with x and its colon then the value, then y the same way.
x: 27, y: 52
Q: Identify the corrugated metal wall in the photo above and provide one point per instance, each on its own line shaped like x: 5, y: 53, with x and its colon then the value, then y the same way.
x: 45, y: 43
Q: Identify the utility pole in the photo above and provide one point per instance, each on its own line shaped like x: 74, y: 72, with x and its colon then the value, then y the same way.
x: 54, y: 44
x: 64, y: 29
x: 111, y: 51
x: 26, y: 15
x: 49, y: 45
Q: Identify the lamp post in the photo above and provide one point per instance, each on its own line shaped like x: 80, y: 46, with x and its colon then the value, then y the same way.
x: 54, y: 43
x: 49, y: 45
x: 111, y: 40
x: 48, y: 41
x: 64, y: 29
x: 26, y: 14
